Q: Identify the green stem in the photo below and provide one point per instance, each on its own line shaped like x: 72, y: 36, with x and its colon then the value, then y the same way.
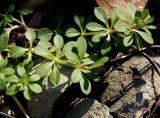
x: 19, y: 22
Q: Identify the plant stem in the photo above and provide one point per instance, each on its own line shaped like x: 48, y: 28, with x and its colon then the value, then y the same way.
x: 20, y: 106
x: 152, y: 62
x: 19, y: 22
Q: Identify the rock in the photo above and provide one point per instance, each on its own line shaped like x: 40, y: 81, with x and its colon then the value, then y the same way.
x: 89, y: 108
x: 109, y: 5
x: 41, y: 104
x: 131, y: 85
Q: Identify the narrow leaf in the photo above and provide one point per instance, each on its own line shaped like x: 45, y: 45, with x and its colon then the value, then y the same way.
x: 27, y: 93
x: 58, y: 41
x: 138, y: 42
x: 99, y: 62
x: 93, y: 26
x: 101, y: 15
x: 79, y: 21
x: 55, y: 76
x: 82, y: 47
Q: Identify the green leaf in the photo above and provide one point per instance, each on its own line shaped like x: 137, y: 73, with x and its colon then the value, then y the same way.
x: 42, y: 48
x: 4, y: 37
x: 21, y: 71
x: 25, y: 11
x: 8, y: 71
x: 99, y: 62
x: 30, y: 35
x: 149, y: 20
x: 36, y: 88
x: 68, y: 46
x: 79, y: 21
x: 8, y: 18
x: 71, y: 56
x: 151, y: 27
x: 34, y: 78
x: 43, y: 69
x: 76, y: 76
x: 82, y: 47
x: 128, y: 40
x: 131, y: 10
x: 147, y: 31
x: 12, y: 89
x: 58, y: 41
x: 121, y: 26
x: 119, y: 44
x: 3, y: 63
x: 55, y: 76
x: 16, y: 52
x: 72, y: 32
x: 2, y: 84
x: 144, y: 13
x: 12, y: 79
x: 45, y: 34
x: 114, y: 18
x: 101, y: 15
x: 93, y: 26
x: 123, y: 15
x: 94, y: 76
x: 146, y: 37
x: 87, y: 61
x: 85, y: 86
x: 106, y: 47
x: 97, y: 37
x: 27, y: 93
x: 138, y: 42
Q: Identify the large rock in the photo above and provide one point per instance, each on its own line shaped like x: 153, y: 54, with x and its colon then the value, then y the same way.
x: 41, y: 104
x: 109, y: 5
x: 131, y: 86
x: 89, y: 108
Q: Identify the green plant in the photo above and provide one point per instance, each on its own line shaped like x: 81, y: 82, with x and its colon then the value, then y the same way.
x: 44, y: 52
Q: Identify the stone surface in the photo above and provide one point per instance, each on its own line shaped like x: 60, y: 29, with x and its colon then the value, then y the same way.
x: 41, y: 104
x: 89, y: 108
x: 109, y: 5
x: 131, y: 86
